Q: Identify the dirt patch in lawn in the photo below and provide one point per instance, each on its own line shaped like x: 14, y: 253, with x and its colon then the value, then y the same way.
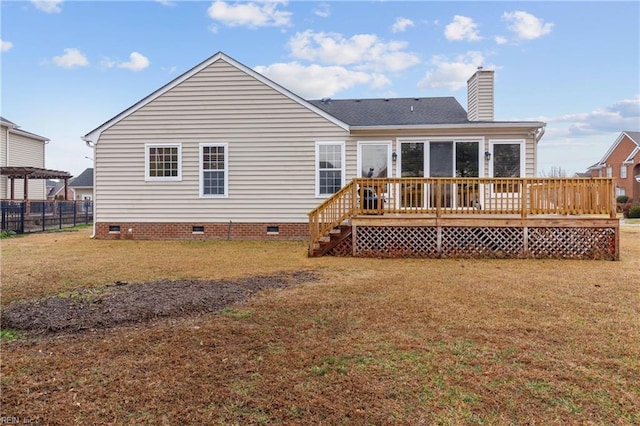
x: 123, y: 303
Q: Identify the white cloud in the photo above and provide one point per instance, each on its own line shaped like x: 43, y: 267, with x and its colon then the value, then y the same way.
x: 525, y: 26
x: 251, y: 14
x: 622, y: 115
x: 72, y: 58
x: 452, y: 74
x: 323, y: 10
x: 576, y: 141
x: 401, y: 25
x: 48, y: 6
x: 364, y: 51
x: 166, y: 3
x: 5, y: 46
x: 315, y: 81
x: 501, y: 40
x: 170, y: 70
x: 107, y: 63
x: 137, y: 62
x: 462, y: 28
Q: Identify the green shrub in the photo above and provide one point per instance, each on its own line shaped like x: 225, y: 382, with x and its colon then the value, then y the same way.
x: 634, y: 212
x: 622, y: 199
x: 7, y: 234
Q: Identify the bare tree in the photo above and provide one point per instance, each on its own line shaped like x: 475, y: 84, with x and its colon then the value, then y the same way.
x: 554, y: 171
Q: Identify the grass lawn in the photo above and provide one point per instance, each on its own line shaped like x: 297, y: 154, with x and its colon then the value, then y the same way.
x: 395, y: 341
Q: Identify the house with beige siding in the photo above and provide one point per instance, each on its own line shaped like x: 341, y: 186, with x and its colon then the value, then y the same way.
x: 224, y: 152
x: 82, y: 185
x: 622, y: 162
x: 19, y: 148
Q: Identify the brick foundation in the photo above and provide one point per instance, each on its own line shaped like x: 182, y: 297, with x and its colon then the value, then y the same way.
x: 201, y: 231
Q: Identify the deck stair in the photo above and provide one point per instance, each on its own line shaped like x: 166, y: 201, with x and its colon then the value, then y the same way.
x: 336, y: 236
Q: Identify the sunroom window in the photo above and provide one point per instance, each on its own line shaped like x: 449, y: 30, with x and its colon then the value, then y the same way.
x: 507, y: 161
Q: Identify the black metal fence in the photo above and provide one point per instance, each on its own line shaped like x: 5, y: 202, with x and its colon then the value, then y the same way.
x: 34, y: 216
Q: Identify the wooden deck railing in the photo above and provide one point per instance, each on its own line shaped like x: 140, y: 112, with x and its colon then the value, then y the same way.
x: 332, y: 212
x: 464, y: 196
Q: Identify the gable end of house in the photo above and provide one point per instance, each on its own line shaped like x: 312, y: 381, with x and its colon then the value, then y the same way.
x: 93, y: 136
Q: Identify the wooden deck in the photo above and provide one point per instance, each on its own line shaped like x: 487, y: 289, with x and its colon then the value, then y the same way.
x: 503, y: 218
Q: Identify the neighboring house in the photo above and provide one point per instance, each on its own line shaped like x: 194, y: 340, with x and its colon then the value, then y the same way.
x: 82, y: 185
x: 622, y: 161
x: 55, y: 190
x: 224, y: 152
x: 19, y: 148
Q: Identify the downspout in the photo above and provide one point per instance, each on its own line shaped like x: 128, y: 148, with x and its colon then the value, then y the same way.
x: 6, y: 159
x: 537, y: 138
x: 92, y: 145
x: 44, y: 157
x: 540, y: 133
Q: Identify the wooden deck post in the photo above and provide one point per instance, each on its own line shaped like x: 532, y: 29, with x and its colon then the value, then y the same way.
x: 612, y: 198
x: 524, y: 198
x: 26, y: 187
x: 438, y: 199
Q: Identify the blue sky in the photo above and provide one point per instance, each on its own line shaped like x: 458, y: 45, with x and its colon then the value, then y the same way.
x: 68, y: 66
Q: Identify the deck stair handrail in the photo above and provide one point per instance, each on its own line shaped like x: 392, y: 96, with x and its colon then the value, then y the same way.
x: 521, y: 197
x: 331, y: 213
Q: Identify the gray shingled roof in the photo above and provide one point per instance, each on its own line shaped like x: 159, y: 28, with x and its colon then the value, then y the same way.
x: 56, y: 188
x: 635, y: 136
x: 394, y: 111
x: 84, y: 179
x: 6, y: 121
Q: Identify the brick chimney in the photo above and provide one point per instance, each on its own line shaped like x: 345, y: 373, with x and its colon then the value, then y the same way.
x: 480, y: 96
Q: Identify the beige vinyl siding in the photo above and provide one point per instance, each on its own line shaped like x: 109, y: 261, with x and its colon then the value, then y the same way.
x: 82, y: 193
x: 480, y: 97
x: 23, y: 151
x: 271, y: 142
x: 3, y: 161
x: 3, y: 145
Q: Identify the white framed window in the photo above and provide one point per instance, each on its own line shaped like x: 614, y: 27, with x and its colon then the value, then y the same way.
x: 330, y: 168
x: 507, y: 161
x: 623, y: 172
x: 214, y: 174
x: 609, y: 171
x: 620, y: 191
x: 163, y: 162
x: 374, y: 158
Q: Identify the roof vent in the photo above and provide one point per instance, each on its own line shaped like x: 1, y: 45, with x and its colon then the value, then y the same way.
x: 325, y: 100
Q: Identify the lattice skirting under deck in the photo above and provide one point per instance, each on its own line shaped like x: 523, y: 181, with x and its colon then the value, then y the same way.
x: 481, y: 242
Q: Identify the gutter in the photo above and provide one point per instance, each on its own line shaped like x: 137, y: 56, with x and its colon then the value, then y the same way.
x: 503, y: 125
x: 92, y: 145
